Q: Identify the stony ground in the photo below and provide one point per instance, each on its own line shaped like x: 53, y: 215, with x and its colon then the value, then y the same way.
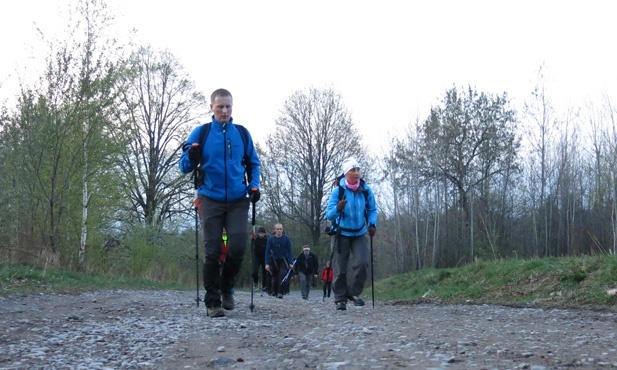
x: 165, y: 330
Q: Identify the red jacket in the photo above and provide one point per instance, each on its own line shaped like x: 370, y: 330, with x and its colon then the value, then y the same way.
x: 327, y: 274
x: 224, y: 249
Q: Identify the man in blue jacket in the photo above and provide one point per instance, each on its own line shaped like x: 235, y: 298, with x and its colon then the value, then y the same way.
x: 223, y: 196
x: 279, y: 259
x: 353, y: 209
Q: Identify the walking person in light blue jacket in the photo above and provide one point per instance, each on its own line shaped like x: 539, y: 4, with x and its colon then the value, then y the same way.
x: 353, y: 212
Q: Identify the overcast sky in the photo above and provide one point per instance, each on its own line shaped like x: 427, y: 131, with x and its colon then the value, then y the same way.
x: 390, y: 60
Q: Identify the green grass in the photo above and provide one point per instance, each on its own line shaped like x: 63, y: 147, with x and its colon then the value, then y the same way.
x: 20, y: 278
x: 550, y: 282
x: 580, y: 282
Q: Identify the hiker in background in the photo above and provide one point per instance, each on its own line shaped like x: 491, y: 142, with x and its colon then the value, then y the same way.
x: 307, y: 266
x: 353, y: 211
x: 223, y: 196
x: 259, y: 261
x: 278, y: 258
x: 326, y: 279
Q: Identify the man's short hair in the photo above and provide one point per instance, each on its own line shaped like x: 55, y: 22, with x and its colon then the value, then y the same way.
x: 221, y: 93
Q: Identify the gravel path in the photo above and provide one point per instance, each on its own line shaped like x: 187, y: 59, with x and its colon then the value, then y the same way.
x: 165, y: 330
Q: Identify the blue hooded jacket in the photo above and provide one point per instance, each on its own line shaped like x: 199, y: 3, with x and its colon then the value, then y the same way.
x: 278, y: 247
x: 222, y: 155
x: 353, y: 222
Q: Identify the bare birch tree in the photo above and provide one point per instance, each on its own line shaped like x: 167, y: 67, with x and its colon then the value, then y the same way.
x: 314, y: 134
x: 157, y: 107
x: 540, y: 134
x: 98, y: 73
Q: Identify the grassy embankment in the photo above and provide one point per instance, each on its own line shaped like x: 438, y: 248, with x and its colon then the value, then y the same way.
x: 580, y: 282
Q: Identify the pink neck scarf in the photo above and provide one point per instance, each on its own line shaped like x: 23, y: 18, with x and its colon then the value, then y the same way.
x: 353, y: 187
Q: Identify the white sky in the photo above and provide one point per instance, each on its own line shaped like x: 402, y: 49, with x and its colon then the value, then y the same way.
x: 390, y: 59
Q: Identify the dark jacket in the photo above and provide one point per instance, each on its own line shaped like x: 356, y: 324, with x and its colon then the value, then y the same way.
x: 309, y: 265
x: 260, y: 247
x: 278, y: 248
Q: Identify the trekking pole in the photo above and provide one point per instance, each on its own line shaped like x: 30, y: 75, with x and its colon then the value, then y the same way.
x: 372, y: 275
x: 252, y: 306
x: 289, y: 271
x: 196, y: 183
x: 197, y: 250
x: 337, y: 239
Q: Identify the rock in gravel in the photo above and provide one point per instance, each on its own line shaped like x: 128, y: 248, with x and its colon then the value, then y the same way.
x: 134, y: 329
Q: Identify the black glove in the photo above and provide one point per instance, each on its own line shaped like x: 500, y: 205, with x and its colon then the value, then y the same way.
x: 195, y: 152
x: 255, y: 195
x: 371, y: 231
x: 340, y: 206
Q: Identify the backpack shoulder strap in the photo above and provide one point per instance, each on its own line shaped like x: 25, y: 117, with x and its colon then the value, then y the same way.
x: 341, y: 189
x: 198, y: 173
x: 245, y: 159
x: 364, y: 191
x: 203, y: 134
x: 245, y: 136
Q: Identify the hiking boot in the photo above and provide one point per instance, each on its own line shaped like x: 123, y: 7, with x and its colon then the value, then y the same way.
x: 357, y: 301
x: 228, y: 301
x: 280, y: 295
x: 342, y: 305
x: 216, y: 311
x: 256, y: 287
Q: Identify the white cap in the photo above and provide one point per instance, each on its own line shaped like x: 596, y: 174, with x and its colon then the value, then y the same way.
x: 348, y: 164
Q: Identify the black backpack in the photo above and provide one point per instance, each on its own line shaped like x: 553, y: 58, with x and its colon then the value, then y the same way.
x: 203, y: 135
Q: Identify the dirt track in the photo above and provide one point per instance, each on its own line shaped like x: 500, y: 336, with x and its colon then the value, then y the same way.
x: 164, y: 330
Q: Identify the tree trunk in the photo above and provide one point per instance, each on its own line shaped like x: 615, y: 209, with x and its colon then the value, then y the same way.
x: 84, y: 204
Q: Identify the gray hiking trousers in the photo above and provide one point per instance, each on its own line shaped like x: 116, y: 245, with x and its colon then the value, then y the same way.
x: 305, y: 283
x: 351, y: 265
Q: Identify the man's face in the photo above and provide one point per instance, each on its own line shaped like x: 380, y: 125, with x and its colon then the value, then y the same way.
x: 306, y: 252
x: 221, y: 108
x: 278, y: 230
